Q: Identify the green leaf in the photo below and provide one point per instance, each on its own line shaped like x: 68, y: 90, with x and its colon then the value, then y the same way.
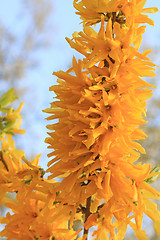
x: 7, y: 98
x: 28, y: 181
x: 42, y: 172
x: 4, y: 110
x: 9, y: 125
x: 153, y: 170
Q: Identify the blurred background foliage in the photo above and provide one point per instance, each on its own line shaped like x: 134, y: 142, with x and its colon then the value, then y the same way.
x: 20, y: 48
x: 20, y: 62
x: 21, y: 51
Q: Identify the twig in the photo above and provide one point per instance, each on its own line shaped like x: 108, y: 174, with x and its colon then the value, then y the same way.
x: 87, y: 214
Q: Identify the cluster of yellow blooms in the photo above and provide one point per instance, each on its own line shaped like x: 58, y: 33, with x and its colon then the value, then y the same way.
x: 100, y: 105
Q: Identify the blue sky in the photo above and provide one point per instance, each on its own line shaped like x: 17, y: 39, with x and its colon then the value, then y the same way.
x: 58, y: 56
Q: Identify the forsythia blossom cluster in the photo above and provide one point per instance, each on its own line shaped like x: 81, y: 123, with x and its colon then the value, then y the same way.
x: 100, y: 106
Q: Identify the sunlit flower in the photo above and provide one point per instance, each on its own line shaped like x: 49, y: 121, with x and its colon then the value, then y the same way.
x: 100, y: 107
x: 100, y: 104
x: 122, y: 10
x: 32, y: 219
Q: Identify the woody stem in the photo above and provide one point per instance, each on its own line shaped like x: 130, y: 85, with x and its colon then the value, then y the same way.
x: 113, y: 21
x: 87, y: 214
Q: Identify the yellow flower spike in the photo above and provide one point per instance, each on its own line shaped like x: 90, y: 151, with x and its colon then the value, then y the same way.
x: 100, y: 104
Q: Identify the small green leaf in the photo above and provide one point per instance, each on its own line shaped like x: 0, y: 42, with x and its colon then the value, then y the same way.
x: 42, y: 172
x: 153, y: 170
x: 7, y: 98
x: 4, y: 110
x: 135, y: 203
x: 28, y: 181
x: 57, y: 193
x: 9, y: 125
x: 36, y: 238
x: 55, y: 202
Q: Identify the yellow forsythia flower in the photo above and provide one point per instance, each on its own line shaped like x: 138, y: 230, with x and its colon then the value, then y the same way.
x: 100, y: 105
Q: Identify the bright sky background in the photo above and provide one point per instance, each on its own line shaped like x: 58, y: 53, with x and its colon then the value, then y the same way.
x: 58, y: 57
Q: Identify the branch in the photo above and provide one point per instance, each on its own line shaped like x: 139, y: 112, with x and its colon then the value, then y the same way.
x: 87, y: 214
